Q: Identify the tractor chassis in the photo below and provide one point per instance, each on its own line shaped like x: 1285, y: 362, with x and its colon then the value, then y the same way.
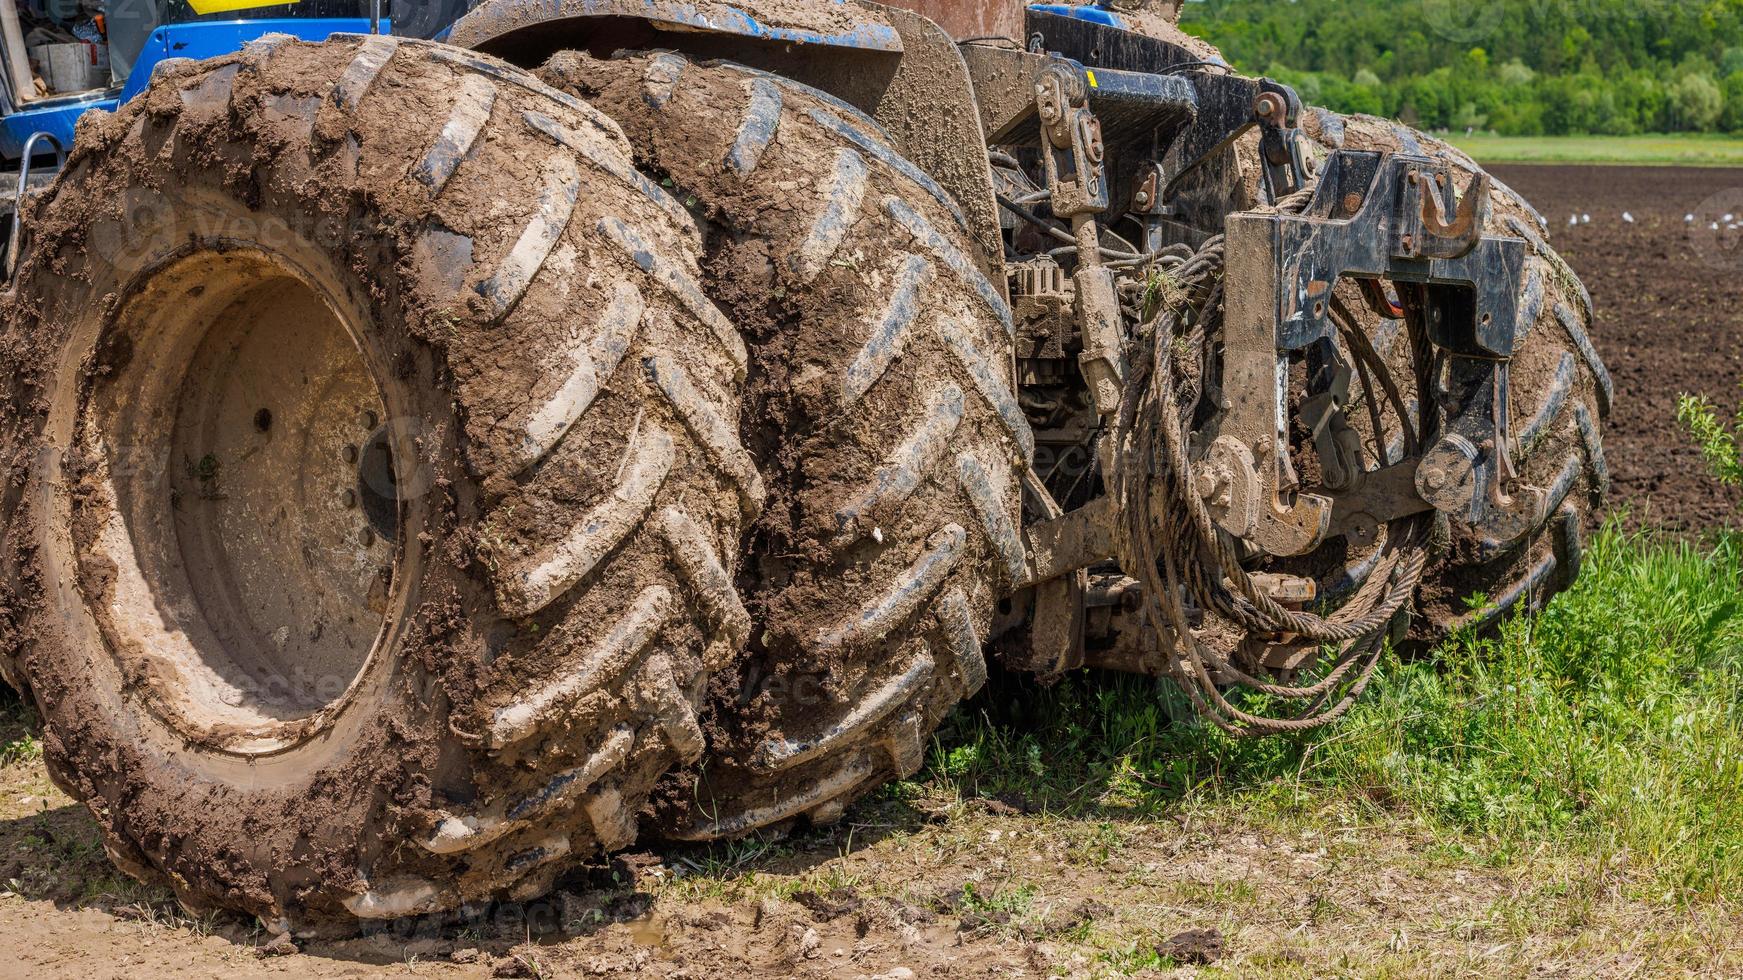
x: 1395, y: 225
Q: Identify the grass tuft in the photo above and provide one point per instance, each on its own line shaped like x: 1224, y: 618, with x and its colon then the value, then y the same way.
x: 1607, y: 727
x: 18, y: 740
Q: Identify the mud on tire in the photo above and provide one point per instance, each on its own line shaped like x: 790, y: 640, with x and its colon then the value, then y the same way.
x: 293, y: 685
x: 882, y: 401
x: 1559, y: 394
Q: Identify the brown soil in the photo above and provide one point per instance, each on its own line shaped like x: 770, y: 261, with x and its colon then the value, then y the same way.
x: 937, y: 888
x: 1668, y: 321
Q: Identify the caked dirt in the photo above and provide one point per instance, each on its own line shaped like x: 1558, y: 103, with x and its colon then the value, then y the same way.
x: 249, y: 156
x: 1668, y: 294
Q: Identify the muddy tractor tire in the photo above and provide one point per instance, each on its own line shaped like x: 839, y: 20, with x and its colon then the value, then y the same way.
x: 883, y: 402
x: 375, y: 490
x: 1559, y: 392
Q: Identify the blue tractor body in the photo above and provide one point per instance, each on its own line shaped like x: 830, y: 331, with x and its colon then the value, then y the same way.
x: 199, y: 39
x: 57, y: 117
x: 196, y: 40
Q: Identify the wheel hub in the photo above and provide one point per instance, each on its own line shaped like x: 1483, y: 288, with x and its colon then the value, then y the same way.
x: 254, y: 520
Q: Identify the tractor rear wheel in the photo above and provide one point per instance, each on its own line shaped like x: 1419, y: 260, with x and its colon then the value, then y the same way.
x: 375, y: 490
x: 883, y: 402
x: 1559, y: 394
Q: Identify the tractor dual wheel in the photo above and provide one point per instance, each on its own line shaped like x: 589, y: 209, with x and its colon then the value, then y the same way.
x: 375, y: 493
x: 883, y: 403
x: 1559, y: 393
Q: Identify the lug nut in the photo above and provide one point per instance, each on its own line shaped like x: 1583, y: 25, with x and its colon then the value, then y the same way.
x: 367, y: 419
x: 349, y: 499
x: 349, y: 454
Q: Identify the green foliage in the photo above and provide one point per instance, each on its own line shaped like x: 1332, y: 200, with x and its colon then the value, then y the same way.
x: 1683, y: 149
x: 18, y: 742
x: 1609, y: 725
x: 1519, y: 67
x: 1696, y: 102
x: 1721, y: 445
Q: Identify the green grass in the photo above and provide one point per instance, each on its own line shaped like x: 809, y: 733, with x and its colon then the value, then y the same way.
x: 18, y: 741
x: 1608, y: 727
x: 1682, y: 149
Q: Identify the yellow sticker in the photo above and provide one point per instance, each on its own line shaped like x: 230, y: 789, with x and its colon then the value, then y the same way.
x: 1091, y: 75
x: 220, y: 6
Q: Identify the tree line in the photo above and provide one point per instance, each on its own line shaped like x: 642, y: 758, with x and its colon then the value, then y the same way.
x: 1517, y: 67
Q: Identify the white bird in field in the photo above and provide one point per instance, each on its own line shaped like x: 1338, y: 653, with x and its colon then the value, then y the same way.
x: 1729, y: 218
x: 1688, y: 219
x: 1585, y: 219
x: 1713, y: 227
x: 1627, y: 217
x: 1573, y: 220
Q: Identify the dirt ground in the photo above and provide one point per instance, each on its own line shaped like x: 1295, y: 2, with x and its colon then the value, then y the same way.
x: 914, y: 885
x: 928, y: 888
x: 1669, y: 302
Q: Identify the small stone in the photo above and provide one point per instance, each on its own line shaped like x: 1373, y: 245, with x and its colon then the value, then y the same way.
x: 899, y: 973
x: 809, y: 944
x: 281, y: 945
x: 467, y: 955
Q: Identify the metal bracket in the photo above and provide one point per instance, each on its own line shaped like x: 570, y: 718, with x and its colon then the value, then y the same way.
x: 1071, y: 146
x: 1469, y: 473
x: 1278, y: 111
x: 1071, y: 141
x: 1228, y: 107
x: 1376, y: 216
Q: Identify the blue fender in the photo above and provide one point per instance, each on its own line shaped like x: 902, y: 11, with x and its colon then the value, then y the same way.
x: 1084, y: 12
x: 829, y: 23
x: 56, y: 117
x: 210, y: 39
